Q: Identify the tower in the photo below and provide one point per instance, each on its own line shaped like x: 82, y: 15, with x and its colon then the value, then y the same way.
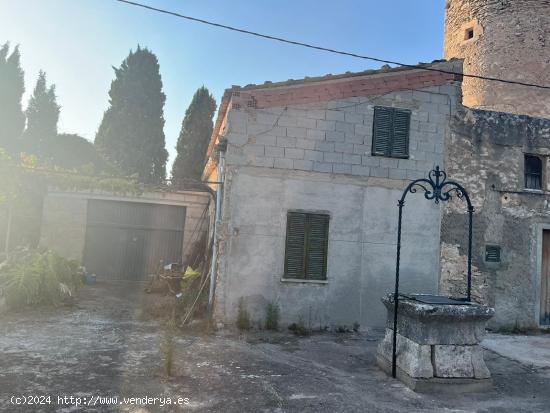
x: 506, y: 39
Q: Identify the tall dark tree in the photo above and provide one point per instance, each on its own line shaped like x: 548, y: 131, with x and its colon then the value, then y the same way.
x: 196, y: 129
x: 131, y: 133
x: 12, y: 87
x: 42, y: 117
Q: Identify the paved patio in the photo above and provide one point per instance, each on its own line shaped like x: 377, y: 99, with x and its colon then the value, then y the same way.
x: 105, y: 348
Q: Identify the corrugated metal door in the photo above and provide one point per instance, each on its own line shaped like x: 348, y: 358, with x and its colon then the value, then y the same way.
x: 127, y: 240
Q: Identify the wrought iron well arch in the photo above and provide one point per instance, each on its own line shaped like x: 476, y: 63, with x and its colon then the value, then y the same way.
x: 436, y: 187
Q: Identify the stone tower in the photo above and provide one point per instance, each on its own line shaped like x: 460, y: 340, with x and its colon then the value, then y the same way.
x: 508, y: 39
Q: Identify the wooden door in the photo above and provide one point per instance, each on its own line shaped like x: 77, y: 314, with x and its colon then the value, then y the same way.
x: 545, y: 280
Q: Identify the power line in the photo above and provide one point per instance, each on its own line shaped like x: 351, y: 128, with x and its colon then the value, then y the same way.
x: 326, y: 49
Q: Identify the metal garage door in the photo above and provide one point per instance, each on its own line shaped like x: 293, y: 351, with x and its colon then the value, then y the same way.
x: 127, y: 240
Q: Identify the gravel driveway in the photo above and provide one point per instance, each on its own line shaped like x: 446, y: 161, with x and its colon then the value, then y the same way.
x: 103, y: 348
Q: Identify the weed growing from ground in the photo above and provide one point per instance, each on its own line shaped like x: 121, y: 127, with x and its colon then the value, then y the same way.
x: 272, y: 315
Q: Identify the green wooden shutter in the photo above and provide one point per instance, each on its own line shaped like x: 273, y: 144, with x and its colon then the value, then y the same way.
x: 390, y: 135
x: 400, y: 131
x: 295, y: 245
x: 381, y: 133
x: 316, y: 246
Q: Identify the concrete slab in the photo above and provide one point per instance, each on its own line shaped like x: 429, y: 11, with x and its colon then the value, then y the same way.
x: 531, y: 350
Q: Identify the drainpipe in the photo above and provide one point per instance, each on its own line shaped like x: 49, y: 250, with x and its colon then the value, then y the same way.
x: 219, y: 193
x: 8, y: 230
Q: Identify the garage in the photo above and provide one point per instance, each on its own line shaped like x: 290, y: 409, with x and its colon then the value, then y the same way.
x: 128, y: 240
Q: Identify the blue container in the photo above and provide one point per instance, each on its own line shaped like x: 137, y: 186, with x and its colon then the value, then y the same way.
x: 90, y: 279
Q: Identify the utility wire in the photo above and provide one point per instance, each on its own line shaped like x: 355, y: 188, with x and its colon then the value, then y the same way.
x: 326, y: 49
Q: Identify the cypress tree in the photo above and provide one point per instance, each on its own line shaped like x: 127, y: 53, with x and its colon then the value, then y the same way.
x: 42, y: 117
x: 196, y: 129
x: 131, y: 132
x: 12, y: 87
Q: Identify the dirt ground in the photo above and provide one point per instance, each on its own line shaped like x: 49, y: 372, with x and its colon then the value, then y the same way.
x: 104, y: 347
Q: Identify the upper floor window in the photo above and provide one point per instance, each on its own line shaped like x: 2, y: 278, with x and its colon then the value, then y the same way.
x: 390, y: 135
x: 533, y: 172
x: 306, y: 246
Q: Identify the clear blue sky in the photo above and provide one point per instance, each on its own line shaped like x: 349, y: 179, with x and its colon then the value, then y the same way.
x: 77, y: 41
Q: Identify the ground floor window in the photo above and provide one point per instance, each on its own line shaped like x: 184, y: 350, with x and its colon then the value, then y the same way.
x: 306, y: 246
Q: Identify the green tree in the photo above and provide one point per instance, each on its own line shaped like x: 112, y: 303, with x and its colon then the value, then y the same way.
x: 131, y: 133
x: 12, y: 87
x: 195, y: 133
x: 42, y: 117
x: 73, y: 152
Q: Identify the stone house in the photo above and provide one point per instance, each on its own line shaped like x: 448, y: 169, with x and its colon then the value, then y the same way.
x: 503, y: 160
x: 312, y: 173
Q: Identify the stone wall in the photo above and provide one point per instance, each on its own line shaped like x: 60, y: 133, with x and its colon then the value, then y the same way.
x: 485, y: 153
x: 511, y: 40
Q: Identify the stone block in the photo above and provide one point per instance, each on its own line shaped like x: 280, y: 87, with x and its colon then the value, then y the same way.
x: 355, y: 139
x: 354, y: 117
x: 360, y: 149
x: 369, y: 160
x: 305, y: 143
x: 322, y: 167
x: 351, y: 159
x: 315, y: 113
x: 360, y: 170
x: 283, y: 163
x: 326, y: 125
x: 333, y: 157
x: 315, y: 134
x: 397, y: 174
x: 296, y: 132
x: 459, y: 362
x: 345, y: 127
x: 413, y: 358
x: 340, y: 168
x: 294, y: 153
x: 379, y: 172
x: 343, y: 147
x: 313, y: 155
x: 335, y: 136
x: 306, y: 122
x: 275, y: 151
x: 268, y: 140
x: 335, y: 115
x: 286, y: 142
x: 256, y: 150
x: 303, y: 165
x: 324, y: 146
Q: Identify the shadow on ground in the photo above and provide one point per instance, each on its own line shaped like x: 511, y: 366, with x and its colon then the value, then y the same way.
x: 104, y: 347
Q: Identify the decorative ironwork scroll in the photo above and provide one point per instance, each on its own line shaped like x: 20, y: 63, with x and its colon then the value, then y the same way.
x: 437, y: 188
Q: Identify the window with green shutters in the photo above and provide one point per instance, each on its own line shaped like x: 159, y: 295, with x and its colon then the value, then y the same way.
x: 306, y: 246
x: 390, y: 135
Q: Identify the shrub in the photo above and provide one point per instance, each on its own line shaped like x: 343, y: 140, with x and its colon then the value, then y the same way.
x: 243, y: 319
x: 33, y: 278
x: 272, y: 314
x: 299, y: 328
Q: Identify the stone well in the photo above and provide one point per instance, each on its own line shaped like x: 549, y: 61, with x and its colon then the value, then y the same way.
x: 437, y: 345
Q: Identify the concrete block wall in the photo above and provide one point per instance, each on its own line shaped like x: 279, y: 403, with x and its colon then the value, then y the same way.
x: 336, y: 136
x: 316, y: 156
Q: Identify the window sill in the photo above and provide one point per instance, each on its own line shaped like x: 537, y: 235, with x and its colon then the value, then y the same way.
x: 533, y: 191
x: 299, y: 281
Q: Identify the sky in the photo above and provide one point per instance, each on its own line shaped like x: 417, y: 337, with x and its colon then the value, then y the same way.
x: 77, y: 43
